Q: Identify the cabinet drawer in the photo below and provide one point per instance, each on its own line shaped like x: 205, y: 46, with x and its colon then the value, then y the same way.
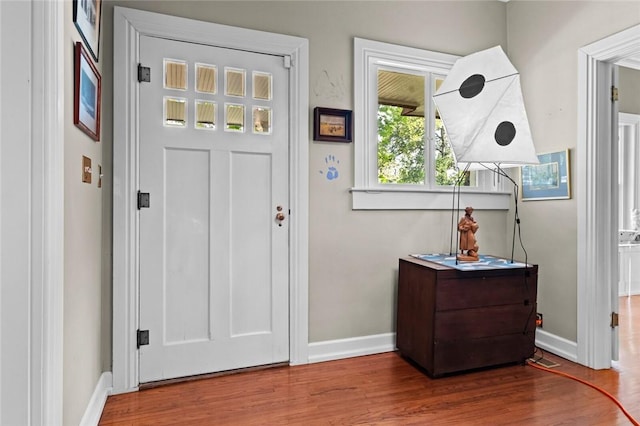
x: 461, y: 355
x: 485, y: 291
x: 484, y: 322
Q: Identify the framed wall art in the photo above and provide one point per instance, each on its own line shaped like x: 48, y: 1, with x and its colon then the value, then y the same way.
x: 549, y: 180
x: 87, y: 15
x: 332, y: 125
x: 87, y: 94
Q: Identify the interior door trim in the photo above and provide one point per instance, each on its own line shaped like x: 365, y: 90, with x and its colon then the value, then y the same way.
x: 129, y: 25
x: 597, y: 220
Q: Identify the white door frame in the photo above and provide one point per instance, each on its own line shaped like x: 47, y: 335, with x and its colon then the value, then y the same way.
x: 129, y: 25
x: 597, y: 220
x: 31, y: 279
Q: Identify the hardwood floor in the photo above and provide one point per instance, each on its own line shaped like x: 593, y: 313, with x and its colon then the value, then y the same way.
x: 385, y: 389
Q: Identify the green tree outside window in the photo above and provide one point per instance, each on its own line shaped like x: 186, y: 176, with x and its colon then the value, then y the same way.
x: 401, y: 145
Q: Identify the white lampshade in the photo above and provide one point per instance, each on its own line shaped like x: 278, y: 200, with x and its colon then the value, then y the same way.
x: 481, y: 105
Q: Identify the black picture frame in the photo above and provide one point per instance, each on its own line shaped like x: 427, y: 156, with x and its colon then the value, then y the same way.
x: 87, y: 16
x: 332, y: 125
x: 87, y: 94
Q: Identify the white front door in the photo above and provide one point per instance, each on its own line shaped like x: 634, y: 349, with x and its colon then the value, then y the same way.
x: 213, y: 157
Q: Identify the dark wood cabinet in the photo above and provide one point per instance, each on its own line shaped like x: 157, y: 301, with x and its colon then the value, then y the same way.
x: 450, y: 320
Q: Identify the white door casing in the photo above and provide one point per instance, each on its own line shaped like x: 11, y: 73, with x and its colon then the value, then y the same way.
x: 129, y: 26
x: 615, y: 200
x: 213, y: 256
x: 597, y: 219
x: 32, y: 213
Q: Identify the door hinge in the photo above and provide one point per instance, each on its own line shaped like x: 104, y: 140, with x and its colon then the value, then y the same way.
x: 614, y: 94
x: 614, y: 319
x: 143, y: 200
x: 287, y: 61
x: 144, y: 74
x: 143, y: 338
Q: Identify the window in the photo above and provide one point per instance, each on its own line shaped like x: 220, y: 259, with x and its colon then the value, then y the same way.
x: 402, y: 156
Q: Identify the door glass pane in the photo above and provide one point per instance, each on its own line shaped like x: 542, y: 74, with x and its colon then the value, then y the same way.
x: 261, y: 120
x: 234, y: 82
x: 175, y: 74
x: 175, y: 111
x: 206, y: 77
x: 262, y: 86
x: 234, y: 117
x: 205, y: 115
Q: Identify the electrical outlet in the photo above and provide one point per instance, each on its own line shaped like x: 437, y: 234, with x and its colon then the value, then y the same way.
x: 86, y: 169
x: 539, y: 320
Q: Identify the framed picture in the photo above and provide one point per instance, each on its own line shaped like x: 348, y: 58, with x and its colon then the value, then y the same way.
x: 549, y: 180
x: 87, y: 94
x: 331, y: 125
x: 87, y: 15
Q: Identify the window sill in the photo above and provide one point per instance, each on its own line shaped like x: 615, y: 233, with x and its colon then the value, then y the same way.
x: 412, y: 199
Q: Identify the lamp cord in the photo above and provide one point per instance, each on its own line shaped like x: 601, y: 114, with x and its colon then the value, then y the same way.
x: 599, y: 389
x: 516, y: 217
x: 516, y: 224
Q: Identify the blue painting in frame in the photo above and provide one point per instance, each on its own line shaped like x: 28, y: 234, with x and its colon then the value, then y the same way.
x: 549, y: 180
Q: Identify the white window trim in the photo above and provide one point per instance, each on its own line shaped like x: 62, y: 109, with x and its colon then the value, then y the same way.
x: 367, y: 194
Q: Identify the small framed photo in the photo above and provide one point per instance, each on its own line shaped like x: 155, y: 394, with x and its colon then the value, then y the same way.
x: 331, y: 125
x: 87, y: 94
x: 87, y: 15
x: 549, y: 180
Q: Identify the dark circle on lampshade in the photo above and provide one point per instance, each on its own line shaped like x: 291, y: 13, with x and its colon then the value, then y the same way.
x: 505, y: 133
x: 472, y: 86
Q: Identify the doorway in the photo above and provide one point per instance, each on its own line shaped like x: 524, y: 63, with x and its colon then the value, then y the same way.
x: 597, y: 219
x: 629, y: 247
x: 129, y: 27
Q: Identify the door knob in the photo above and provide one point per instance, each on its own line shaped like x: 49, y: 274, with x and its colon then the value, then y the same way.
x: 280, y: 215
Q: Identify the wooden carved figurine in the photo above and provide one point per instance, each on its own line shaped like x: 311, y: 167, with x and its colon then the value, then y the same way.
x: 468, y: 228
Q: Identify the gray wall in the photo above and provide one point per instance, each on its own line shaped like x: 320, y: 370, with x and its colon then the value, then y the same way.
x: 83, y: 255
x: 543, y: 39
x: 629, y: 85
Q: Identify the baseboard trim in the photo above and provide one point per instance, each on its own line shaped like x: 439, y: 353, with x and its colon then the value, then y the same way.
x: 330, y: 350
x: 557, y: 345
x: 98, y: 399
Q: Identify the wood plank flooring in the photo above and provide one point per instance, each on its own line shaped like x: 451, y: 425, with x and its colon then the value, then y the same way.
x: 385, y: 389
